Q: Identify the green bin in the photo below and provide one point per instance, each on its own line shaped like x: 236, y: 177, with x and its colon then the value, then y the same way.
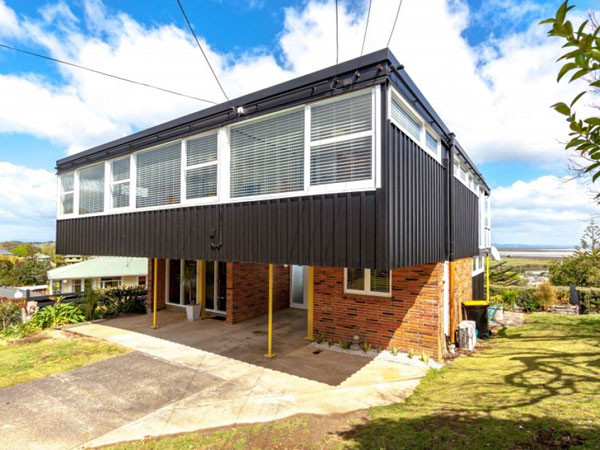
x: 477, y: 311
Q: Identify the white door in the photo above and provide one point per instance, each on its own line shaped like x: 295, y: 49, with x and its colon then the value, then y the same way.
x: 298, y: 280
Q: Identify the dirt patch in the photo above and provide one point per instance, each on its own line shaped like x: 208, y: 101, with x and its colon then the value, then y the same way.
x: 552, y: 439
x: 31, y: 339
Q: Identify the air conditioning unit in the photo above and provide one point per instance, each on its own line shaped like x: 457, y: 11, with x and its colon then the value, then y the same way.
x: 466, y: 335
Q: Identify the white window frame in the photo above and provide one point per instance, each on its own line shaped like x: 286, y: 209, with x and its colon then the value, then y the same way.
x: 109, y: 186
x: 367, y: 290
x: 111, y: 279
x: 479, y: 265
x: 59, y: 206
x: 394, y: 94
x: 223, y: 163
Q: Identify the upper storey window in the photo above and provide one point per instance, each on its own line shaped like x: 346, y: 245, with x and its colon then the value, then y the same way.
x: 159, y: 176
x: 91, y: 189
x: 67, y: 193
x: 267, y: 155
x: 201, y: 166
x: 341, y: 140
x: 119, y: 186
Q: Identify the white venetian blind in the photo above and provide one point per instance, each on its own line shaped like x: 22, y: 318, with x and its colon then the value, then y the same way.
x: 201, y: 166
x: 91, y: 189
x: 342, y: 140
x: 267, y: 155
x: 159, y: 176
x: 120, y: 182
x: 67, y: 190
x: 406, y: 119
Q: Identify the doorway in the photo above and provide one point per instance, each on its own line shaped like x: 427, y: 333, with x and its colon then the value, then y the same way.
x: 298, y: 282
x: 182, y: 281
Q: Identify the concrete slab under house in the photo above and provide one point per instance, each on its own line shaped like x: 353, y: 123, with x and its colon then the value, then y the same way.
x: 340, y: 194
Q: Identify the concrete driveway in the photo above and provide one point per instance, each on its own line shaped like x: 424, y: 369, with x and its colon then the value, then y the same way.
x: 165, y: 387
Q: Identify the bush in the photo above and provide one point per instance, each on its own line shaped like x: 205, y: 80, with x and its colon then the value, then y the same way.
x: 57, y: 315
x: 9, y: 311
x: 122, y: 300
x: 525, y: 298
x: 545, y: 296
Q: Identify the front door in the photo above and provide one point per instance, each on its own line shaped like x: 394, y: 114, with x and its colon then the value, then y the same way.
x: 298, y: 280
x: 216, y: 286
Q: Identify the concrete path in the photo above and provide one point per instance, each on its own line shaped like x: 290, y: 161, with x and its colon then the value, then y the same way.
x: 247, y: 393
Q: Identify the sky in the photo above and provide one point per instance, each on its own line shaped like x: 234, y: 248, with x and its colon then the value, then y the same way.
x: 486, y: 66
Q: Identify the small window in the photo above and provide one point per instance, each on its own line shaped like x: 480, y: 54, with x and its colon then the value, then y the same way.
x: 67, y: 192
x: 106, y: 283
x: 478, y: 264
x: 159, y: 176
x: 341, y: 134
x: 406, y: 119
x: 91, y: 189
x: 431, y: 142
x: 201, y: 167
x: 368, y: 282
x: 119, y: 187
x: 141, y: 281
x: 77, y: 285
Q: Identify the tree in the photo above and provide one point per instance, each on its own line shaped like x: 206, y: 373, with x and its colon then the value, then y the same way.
x: 582, y: 61
x: 583, y: 268
x: 26, y: 250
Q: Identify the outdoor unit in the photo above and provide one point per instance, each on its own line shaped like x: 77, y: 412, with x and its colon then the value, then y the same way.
x: 466, y: 335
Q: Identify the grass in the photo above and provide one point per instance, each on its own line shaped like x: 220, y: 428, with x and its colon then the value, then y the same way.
x: 528, y: 263
x: 47, y: 353
x: 530, y: 387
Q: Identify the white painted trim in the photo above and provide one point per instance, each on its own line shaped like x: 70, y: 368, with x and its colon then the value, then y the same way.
x: 367, y: 291
x: 132, y: 180
x: 377, y: 135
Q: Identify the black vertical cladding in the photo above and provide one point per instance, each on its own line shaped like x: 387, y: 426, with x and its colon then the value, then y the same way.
x: 479, y: 286
x: 466, y: 221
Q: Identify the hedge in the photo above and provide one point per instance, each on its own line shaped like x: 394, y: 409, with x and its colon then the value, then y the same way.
x: 522, y: 297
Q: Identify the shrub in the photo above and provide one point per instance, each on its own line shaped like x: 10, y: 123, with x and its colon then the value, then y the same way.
x: 57, y: 315
x: 320, y: 338
x: 365, y: 346
x: 121, y: 300
x: 545, y: 295
x: 9, y: 311
x: 526, y: 300
x: 345, y: 344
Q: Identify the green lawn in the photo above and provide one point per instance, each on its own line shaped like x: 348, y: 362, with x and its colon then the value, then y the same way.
x: 47, y: 353
x: 527, y: 263
x: 534, y: 386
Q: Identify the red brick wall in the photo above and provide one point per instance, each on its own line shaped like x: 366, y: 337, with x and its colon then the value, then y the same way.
x: 160, y: 297
x: 248, y: 290
x: 410, y: 319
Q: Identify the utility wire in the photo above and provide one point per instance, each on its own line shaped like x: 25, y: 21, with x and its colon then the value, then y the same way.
x: 8, y: 47
x: 366, y: 28
x: 395, y: 20
x: 201, y: 49
x: 337, y: 45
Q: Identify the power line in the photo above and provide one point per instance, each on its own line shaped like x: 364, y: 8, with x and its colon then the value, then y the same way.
x: 8, y: 47
x: 337, y: 44
x: 395, y: 20
x: 366, y: 28
x: 201, y: 49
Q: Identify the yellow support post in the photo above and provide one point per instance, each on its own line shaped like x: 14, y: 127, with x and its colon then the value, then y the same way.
x: 270, y: 353
x: 154, y: 293
x: 487, y: 276
x: 310, y: 307
x: 201, y: 287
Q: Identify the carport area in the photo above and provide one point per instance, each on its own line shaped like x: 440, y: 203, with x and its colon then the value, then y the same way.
x: 231, y: 381
x: 247, y: 341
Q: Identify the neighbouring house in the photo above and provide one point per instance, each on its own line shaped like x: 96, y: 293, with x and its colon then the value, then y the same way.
x: 4, y: 252
x: 40, y: 257
x: 72, y: 259
x: 345, y: 182
x: 23, y: 291
x: 102, y: 272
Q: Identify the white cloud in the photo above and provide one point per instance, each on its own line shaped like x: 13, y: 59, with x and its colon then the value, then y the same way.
x: 545, y: 211
x: 27, y: 203
x: 9, y: 24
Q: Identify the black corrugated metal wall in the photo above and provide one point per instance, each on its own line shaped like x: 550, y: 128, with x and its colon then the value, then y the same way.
x: 466, y: 221
x: 479, y: 286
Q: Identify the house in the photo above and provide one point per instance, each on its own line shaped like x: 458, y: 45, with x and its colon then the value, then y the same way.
x: 4, y: 252
x: 341, y: 191
x: 41, y: 257
x: 72, y: 259
x: 22, y: 292
x: 103, y: 272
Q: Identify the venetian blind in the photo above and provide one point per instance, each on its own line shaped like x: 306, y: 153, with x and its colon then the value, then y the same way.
x: 267, y: 155
x: 342, y: 140
x: 159, y: 176
x: 91, y: 189
x: 201, y: 170
x: 404, y: 118
x: 120, y: 182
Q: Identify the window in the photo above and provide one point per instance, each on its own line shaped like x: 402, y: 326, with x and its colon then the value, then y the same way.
x: 478, y: 264
x: 91, y: 189
x: 368, y: 282
x: 67, y: 192
x: 76, y: 285
x: 119, y: 186
x: 141, y: 281
x: 431, y: 142
x: 159, y: 176
x: 405, y: 118
x: 267, y: 155
x: 106, y: 283
x: 201, y: 167
x: 341, y: 135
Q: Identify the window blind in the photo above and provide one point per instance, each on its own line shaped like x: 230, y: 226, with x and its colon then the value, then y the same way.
x: 404, y: 118
x: 267, y: 155
x: 120, y: 182
x: 431, y: 142
x: 201, y: 171
x: 380, y: 281
x: 91, y: 189
x: 159, y: 176
x: 355, y: 279
x: 67, y: 187
x: 340, y: 150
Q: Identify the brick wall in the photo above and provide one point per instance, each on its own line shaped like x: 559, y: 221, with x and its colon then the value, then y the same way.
x: 160, y: 297
x: 248, y: 290
x: 412, y: 318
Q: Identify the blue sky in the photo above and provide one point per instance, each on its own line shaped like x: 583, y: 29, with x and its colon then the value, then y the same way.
x: 484, y: 65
